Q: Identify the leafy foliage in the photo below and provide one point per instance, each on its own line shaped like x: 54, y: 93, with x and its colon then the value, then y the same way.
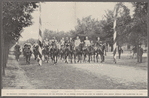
x: 16, y: 16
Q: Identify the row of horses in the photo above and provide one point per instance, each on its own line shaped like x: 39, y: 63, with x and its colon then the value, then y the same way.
x: 68, y: 53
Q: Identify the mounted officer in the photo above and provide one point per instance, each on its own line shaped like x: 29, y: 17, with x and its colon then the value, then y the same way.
x: 67, y: 43
x: 87, y: 42
x: 53, y: 42
x: 46, y: 42
x: 100, y: 48
x: 62, y: 41
x: 98, y: 42
x: 77, y: 42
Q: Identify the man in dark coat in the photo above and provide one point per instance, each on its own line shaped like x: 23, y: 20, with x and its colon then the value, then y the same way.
x: 140, y: 53
x: 120, y: 51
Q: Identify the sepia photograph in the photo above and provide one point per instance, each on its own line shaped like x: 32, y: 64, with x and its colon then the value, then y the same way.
x: 74, y: 48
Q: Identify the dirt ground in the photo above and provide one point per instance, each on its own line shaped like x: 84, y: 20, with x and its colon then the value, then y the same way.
x: 126, y: 74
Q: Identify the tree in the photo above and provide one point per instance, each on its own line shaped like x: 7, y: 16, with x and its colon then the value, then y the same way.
x: 139, y: 24
x: 16, y: 16
x: 88, y: 27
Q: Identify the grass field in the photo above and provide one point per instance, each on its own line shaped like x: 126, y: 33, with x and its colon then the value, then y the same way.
x: 64, y: 76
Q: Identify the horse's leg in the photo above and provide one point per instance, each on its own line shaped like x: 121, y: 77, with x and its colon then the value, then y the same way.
x: 89, y: 55
x: 48, y: 58
x: 55, y: 58
x: 66, y: 57
x: 81, y: 57
x: 74, y: 57
x: 101, y: 55
x: 94, y: 56
x: 18, y: 57
x: 71, y: 56
x: 28, y: 59
x: 97, y: 57
x: 84, y: 57
x: 78, y: 55
x: 52, y: 57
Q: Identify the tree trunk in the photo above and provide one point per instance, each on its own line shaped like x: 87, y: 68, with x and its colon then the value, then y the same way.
x: 2, y: 55
x: 5, y: 55
x: 137, y: 51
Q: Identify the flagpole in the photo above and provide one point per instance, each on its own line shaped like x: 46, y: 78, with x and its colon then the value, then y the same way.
x: 40, y: 36
x: 115, y: 33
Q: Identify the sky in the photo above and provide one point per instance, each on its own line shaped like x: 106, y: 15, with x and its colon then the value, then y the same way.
x: 62, y: 16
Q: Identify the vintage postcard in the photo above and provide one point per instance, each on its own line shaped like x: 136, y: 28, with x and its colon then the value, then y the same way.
x: 74, y: 48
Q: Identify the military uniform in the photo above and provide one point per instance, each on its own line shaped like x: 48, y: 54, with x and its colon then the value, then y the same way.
x: 77, y: 42
x: 120, y: 51
x: 67, y: 43
x: 99, y: 43
x: 87, y: 43
x: 140, y: 53
x: 62, y: 42
x: 46, y: 43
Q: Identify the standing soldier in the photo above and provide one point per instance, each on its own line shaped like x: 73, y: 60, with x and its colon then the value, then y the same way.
x: 140, y: 53
x: 103, y: 51
x: 120, y: 51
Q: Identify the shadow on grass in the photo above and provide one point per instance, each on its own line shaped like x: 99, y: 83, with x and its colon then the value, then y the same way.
x: 11, y: 68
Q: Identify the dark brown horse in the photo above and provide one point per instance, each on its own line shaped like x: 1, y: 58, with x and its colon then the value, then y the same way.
x: 27, y: 53
x: 17, y: 52
x: 54, y: 52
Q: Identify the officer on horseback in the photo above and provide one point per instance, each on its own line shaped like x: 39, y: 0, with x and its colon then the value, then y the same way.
x: 66, y: 42
x: 46, y: 42
x: 98, y: 42
x: 87, y: 42
x: 53, y: 42
x: 77, y: 42
x: 62, y: 42
x: 100, y: 48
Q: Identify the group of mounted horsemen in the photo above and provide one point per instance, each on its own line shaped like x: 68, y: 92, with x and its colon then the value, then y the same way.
x: 66, y: 49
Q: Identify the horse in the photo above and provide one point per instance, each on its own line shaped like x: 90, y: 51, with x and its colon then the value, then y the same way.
x: 88, y: 51
x: 17, y: 52
x: 36, y: 51
x: 54, y: 51
x: 78, y: 52
x: 68, y: 52
x: 62, y: 52
x: 99, y: 50
x: 27, y: 53
x: 46, y: 53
